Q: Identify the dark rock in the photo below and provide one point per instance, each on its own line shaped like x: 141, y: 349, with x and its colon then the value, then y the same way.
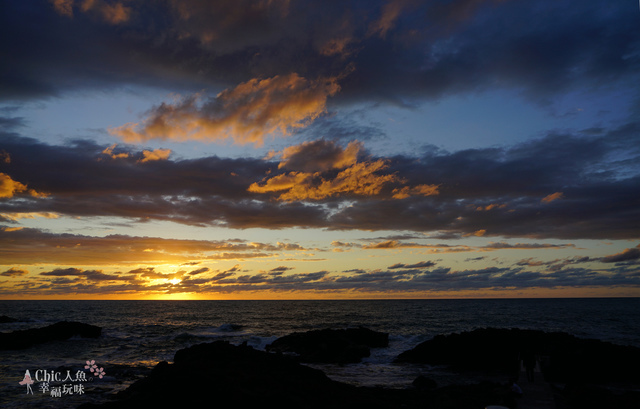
x: 597, y: 397
x: 331, y: 345
x: 563, y: 357
x: 4, y: 319
x: 424, y: 383
x: 219, y: 374
x: 59, y: 331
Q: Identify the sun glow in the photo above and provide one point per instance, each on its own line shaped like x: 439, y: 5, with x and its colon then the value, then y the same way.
x: 175, y: 281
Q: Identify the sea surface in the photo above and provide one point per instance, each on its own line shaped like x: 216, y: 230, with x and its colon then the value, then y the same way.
x: 137, y: 335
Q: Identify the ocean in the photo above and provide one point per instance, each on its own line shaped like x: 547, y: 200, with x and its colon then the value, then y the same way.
x: 137, y: 335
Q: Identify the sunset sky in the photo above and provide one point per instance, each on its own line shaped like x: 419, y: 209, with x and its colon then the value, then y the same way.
x: 289, y: 149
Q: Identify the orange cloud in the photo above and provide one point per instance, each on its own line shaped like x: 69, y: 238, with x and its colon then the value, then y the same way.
x: 157, y: 154
x: 316, y: 181
x: 28, y: 215
x: 246, y: 113
x: 109, y: 151
x: 419, y: 190
x: 112, y: 13
x: 359, y: 179
x: 490, y: 207
x: 554, y: 196
x: 477, y: 233
x: 10, y: 229
x: 282, y: 182
x: 9, y: 187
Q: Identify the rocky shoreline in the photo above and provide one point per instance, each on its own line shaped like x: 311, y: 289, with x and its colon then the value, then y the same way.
x: 582, y: 373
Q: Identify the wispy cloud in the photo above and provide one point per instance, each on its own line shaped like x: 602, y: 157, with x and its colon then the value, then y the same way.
x: 248, y: 113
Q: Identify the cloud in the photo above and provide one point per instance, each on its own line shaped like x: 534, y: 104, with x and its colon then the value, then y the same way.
x: 11, y: 123
x: 64, y: 7
x: 315, y: 181
x: 112, y: 13
x: 199, y: 271
x: 90, y: 275
x: 391, y: 11
x: 419, y: 190
x: 156, y: 154
x: 477, y: 233
x: 319, y: 156
x: 490, y: 207
x: 31, y: 246
x: 422, y: 264
x: 14, y: 272
x: 507, y: 183
x: 9, y: 187
x: 109, y: 152
x: 395, y: 244
x: 446, y: 248
x: 520, y: 246
x: 279, y: 270
x: 631, y: 254
x: 247, y: 113
x: 17, y: 216
x: 338, y: 243
x: 358, y: 179
x: 554, y: 196
x: 398, y: 280
x: 552, y: 48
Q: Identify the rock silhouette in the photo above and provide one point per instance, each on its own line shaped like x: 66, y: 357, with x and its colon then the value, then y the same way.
x: 59, y: 331
x: 331, y: 345
x: 562, y: 357
x: 219, y: 374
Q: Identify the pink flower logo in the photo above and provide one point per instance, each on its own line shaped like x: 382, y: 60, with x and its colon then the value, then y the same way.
x: 91, y: 365
x: 100, y: 372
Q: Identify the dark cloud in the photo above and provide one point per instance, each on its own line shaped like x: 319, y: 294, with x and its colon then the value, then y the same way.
x: 14, y: 272
x: 91, y: 275
x: 400, y: 51
x: 199, y: 271
x: 28, y: 246
x: 75, y: 280
x: 279, y: 270
x: 320, y: 155
x: 422, y: 264
x: 9, y: 123
x: 631, y: 254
